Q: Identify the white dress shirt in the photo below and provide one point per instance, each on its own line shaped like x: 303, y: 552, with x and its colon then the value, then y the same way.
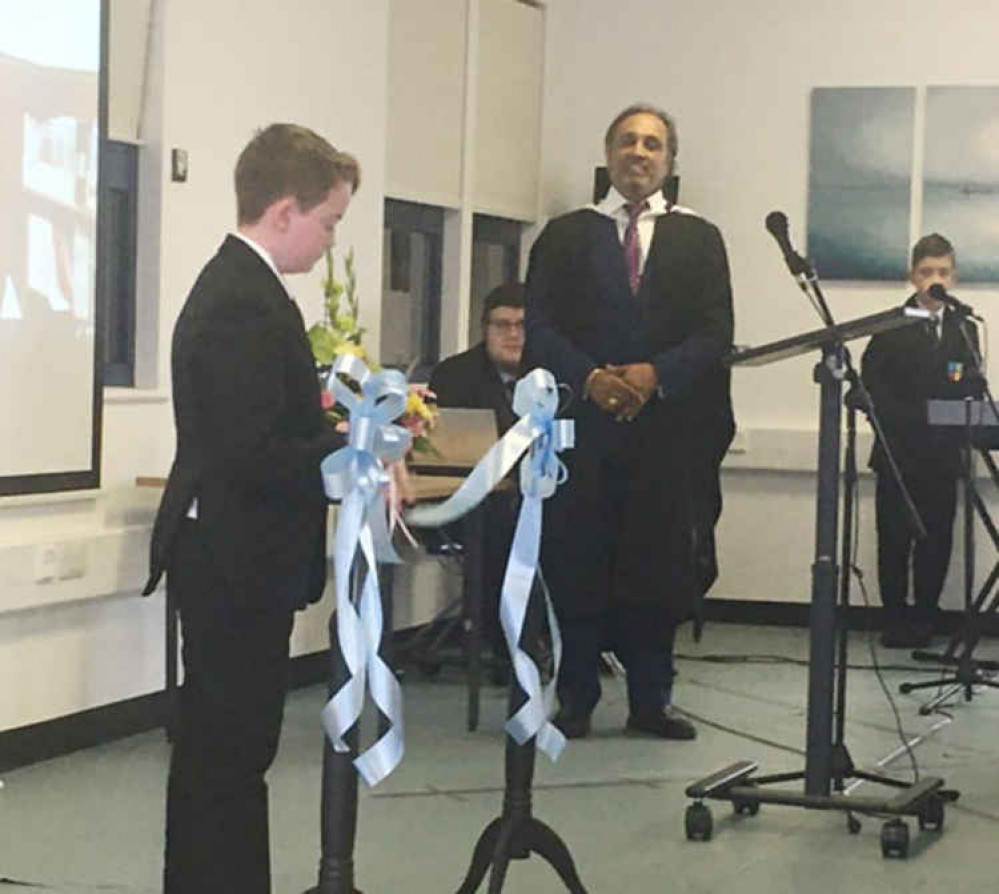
x: 265, y: 256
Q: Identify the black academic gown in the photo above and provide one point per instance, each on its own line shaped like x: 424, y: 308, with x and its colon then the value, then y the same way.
x: 653, y: 548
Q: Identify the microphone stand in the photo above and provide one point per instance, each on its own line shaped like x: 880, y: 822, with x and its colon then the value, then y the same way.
x: 838, y: 362
x: 959, y: 654
x: 827, y: 760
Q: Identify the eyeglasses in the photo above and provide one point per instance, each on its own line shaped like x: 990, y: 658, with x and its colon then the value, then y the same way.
x: 507, y: 327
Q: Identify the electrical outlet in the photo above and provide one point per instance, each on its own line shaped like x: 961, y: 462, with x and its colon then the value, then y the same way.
x: 47, y: 557
x: 178, y: 165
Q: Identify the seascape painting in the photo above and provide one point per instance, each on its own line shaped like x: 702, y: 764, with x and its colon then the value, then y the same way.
x: 961, y: 176
x: 860, y: 182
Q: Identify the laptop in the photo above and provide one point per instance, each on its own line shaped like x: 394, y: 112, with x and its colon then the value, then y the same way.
x: 459, y: 439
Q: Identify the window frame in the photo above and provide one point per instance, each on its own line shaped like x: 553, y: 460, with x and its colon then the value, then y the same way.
x: 117, y: 258
x: 409, y: 218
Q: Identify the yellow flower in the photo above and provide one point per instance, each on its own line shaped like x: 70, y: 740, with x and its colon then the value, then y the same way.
x: 416, y: 406
x: 348, y: 347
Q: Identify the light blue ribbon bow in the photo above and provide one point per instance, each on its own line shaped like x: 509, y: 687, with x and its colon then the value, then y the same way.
x: 535, y: 400
x: 356, y: 476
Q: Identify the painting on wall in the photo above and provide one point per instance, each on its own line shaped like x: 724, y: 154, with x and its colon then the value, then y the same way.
x: 961, y: 176
x: 860, y: 182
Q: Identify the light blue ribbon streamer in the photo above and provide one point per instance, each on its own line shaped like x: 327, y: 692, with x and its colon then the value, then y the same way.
x: 536, y: 402
x: 356, y: 476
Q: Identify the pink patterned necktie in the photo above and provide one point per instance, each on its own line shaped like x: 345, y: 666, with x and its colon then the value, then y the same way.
x: 632, y: 245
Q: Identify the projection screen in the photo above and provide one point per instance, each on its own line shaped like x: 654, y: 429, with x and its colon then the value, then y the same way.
x: 52, y: 124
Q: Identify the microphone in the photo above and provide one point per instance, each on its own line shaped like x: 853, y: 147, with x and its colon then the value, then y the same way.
x: 776, y: 224
x: 939, y: 293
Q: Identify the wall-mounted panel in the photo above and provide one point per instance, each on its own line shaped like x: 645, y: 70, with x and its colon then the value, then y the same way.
x: 426, y: 100
x: 508, y: 122
x: 128, y: 31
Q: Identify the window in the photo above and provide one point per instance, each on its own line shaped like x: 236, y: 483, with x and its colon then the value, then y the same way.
x: 411, y: 296
x: 495, y: 260
x: 117, y: 258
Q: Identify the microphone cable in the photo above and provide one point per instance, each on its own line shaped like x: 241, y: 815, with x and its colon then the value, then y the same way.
x: 858, y: 575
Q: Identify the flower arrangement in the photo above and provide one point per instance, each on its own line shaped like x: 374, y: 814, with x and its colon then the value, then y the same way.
x: 420, y: 417
x: 340, y: 333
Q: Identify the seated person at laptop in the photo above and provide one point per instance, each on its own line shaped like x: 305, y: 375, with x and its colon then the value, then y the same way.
x: 483, y: 377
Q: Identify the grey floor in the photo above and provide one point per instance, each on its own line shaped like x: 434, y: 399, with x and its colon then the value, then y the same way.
x: 92, y: 822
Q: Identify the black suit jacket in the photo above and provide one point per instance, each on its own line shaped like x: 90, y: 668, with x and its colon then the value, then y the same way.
x: 470, y: 379
x: 581, y: 313
x: 902, y: 369
x: 250, y: 435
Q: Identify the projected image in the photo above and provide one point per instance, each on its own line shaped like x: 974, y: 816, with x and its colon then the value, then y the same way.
x: 49, y: 140
x: 961, y: 176
x: 860, y: 181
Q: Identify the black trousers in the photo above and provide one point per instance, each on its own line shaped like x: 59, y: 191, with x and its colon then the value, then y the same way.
x: 231, y: 706
x: 605, y: 545
x: 623, y: 630
x: 935, y: 497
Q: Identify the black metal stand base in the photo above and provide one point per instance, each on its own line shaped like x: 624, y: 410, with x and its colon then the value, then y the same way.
x: 827, y: 760
x: 924, y: 800
x: 339, y: 820
x: 517, y: 834
x: 968, y: 673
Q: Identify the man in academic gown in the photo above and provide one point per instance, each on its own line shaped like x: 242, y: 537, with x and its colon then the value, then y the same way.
x: 241, y: 528
x: 629, y: 304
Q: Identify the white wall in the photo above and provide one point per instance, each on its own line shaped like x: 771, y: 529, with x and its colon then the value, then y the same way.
x: 737, y: 75
x: 219, y: 71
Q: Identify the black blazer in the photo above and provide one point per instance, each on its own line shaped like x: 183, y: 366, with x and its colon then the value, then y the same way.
x: 250, y: 435
x: 902, y: 369
x: 470, y: 379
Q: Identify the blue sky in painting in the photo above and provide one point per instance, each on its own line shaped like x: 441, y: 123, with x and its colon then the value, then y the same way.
x: 961, y: 176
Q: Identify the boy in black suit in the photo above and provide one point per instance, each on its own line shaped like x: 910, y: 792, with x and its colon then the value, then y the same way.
x: 241, y: 529
x: 903, y: 368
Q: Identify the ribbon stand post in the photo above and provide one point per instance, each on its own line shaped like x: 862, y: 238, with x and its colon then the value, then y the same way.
x: 517, y: 833
x: 356, y: 477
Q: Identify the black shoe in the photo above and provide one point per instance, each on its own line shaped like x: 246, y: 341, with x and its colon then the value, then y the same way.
x: 663, y: 725
x: 906, y: 637
x: 573, y: 726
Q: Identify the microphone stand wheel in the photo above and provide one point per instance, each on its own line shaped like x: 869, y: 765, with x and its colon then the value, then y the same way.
x: 697, y: 822
x: 895, y: 839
